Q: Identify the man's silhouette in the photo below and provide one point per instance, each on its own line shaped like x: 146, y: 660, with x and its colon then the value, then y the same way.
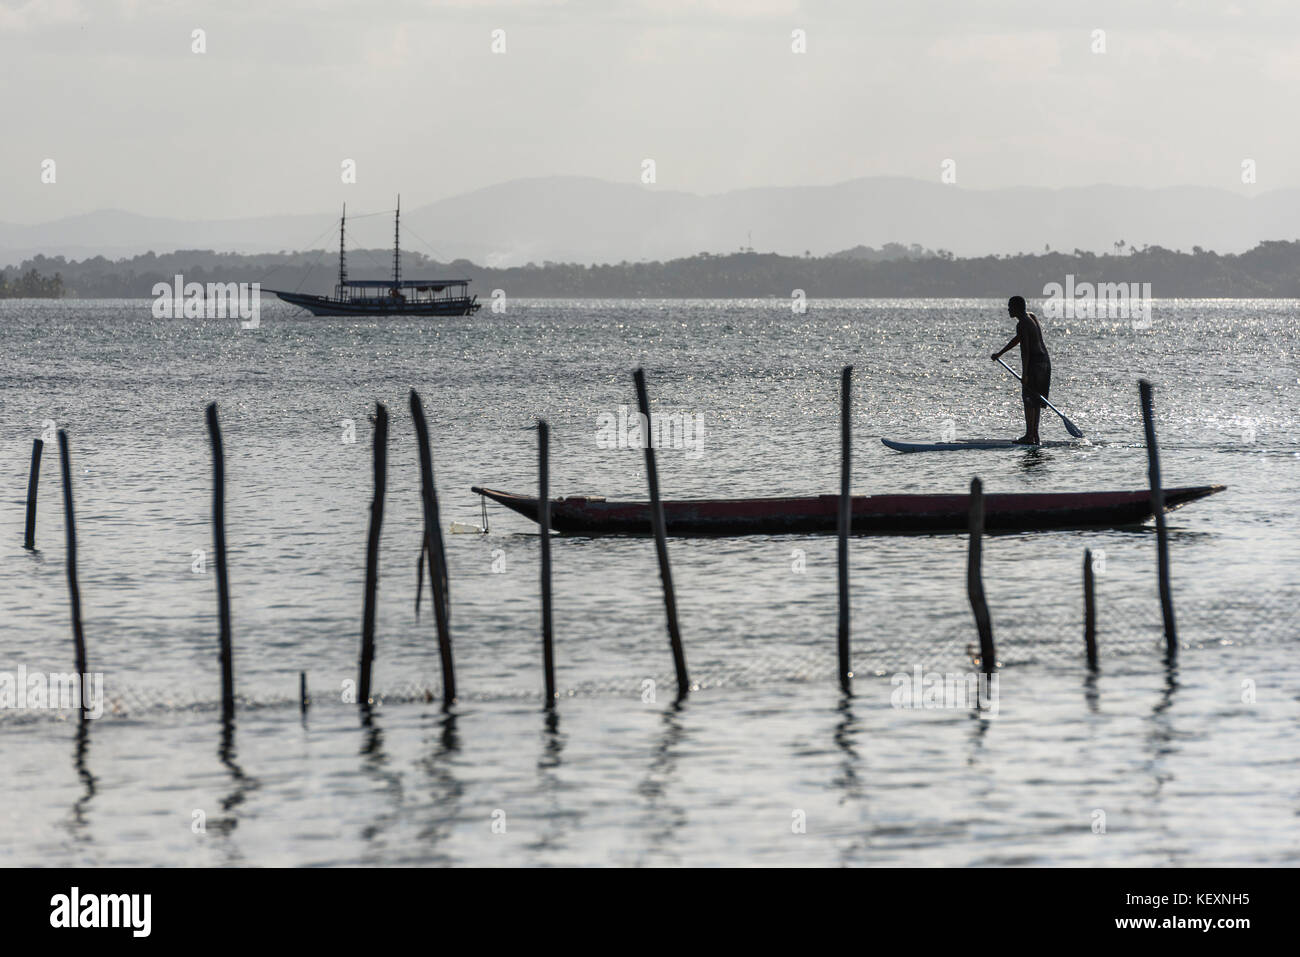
x: 1035, y: 366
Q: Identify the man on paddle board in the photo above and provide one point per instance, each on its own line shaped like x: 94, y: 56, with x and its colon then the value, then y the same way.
x: 1035, y: 366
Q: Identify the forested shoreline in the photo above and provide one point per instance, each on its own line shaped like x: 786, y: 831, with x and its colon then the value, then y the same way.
x: 31, y: 284
x: 1270, y: 270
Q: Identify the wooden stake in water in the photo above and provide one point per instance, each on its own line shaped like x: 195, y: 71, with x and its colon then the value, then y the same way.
x: 661, y: 535
x: 223, y: 580
x: 419, y: 574
x: 303, y: 700
x: 845, y: 524
x: 544, y: 519
x: 437, y: 556
x: 372, y: 552
x: 975, y: 580
x: 70, y: 533
x: 33, y: 477
x: 1158, y: 506
x: 1089, y: 611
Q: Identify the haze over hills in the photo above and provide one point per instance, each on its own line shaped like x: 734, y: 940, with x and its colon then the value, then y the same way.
x: 575, y: 219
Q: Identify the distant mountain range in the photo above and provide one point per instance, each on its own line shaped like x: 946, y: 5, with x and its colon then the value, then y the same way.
x: 581, y: 220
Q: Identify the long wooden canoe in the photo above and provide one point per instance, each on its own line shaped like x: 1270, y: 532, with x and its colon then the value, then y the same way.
x: 872, y: 514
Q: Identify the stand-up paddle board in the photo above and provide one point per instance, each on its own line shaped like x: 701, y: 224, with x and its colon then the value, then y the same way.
x: 972, y: 444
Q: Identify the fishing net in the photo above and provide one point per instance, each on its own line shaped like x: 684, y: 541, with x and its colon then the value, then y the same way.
x: 1130, y: 635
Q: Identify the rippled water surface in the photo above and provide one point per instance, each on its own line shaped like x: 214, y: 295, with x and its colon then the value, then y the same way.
x: 1195, y: 764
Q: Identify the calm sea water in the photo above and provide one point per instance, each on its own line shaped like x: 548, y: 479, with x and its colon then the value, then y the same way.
x: 1194, y: 765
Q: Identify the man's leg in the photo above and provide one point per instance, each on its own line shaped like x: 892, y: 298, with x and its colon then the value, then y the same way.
x: 1038, y: 379
x: 1031, y: 410
x: 1031, y: 421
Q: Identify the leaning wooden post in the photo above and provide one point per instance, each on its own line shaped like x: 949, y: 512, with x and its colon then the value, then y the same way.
x: 845, y: 523
x: 372, y: 552
x: 1089, y: 611
x: 437, y: 557
x: 544, y: 519
x: 29, y: 538
x: 1158, y: 506
x: 74, y: 590
x: 975, y: 581
x: 661, y: 534
x: 419, y: 575
x: 223, y: 580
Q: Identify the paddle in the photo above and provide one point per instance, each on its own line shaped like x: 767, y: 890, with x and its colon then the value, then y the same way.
x: 1069, y: 426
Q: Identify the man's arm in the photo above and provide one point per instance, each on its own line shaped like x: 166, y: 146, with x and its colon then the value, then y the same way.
x: 1009, y: 346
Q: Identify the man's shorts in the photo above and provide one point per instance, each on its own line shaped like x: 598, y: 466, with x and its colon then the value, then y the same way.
x: 1037, y: 382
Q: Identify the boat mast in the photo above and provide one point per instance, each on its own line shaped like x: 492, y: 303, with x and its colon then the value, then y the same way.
x: 397, y: 229
x: 343, y: 263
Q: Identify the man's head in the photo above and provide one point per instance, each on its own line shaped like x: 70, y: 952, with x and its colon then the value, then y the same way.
x: 1016, y: 306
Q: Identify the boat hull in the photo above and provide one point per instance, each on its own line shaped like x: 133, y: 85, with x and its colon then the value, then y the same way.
x: 325, y: 306
x: 871, y: 514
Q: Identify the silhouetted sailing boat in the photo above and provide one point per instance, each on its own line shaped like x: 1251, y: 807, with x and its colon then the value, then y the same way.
x: 387, y: 297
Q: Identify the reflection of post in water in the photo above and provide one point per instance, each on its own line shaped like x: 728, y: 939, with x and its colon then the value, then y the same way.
x: 979, y: 730
x: 446, y: 790
x: 449, y: 741
x: 78, y: 823
x: 552, y: 742
x: 1091, y: 693
x: 665, y: 817
x: 373, y: 746
x: 375, y: 765
x: 1162, y: 733
x: 548, y: 763
x: 1167, y: 693
x: 845, y: 728
x: 226, y: 754
x: 984, y: 708
x: 847, y: 781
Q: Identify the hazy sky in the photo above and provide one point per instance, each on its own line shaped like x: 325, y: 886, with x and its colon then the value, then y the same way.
x: 287, y: 90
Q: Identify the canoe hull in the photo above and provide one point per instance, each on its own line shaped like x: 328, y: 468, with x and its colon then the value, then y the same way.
x: 872, y: 514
